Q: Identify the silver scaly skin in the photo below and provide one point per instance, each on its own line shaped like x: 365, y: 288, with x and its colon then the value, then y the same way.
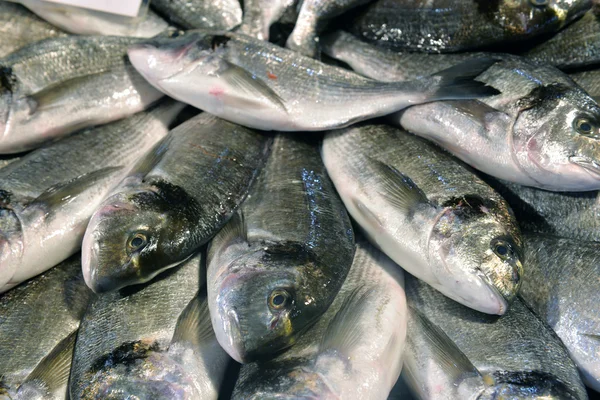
x: 561, y: 286
x: 259, y: 15
x: 54, y: 87
x: 172, y: 202
x: 48, y: 196
x: 353, y: 352
x: 207, y: 14
x: 277, y: 266
x: 453, y: 352
x: 38, y: 323
x: 589, y: 81
x: 429, y: 213
x: 260, y: 85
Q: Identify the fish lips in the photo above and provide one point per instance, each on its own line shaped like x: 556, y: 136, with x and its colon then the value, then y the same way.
x: 589, y: 165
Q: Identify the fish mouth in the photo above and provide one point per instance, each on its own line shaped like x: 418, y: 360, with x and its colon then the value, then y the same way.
x: 591, y: 166
x: 228, y: 332
x: 11, y: 246
x: 502, y: 299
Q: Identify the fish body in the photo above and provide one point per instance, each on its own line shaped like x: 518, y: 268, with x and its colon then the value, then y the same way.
x: 454, y: 352
x: 207, y: 14
x: 442, y: 26
x: 259, y: 15
x: 39, y: 321
x: 172, y: 202
x: 276, y: 268
x: 429, y: 213
x: 589, y: 80
x: 561, y: 288
x: 261, y: 85
x: 57, y: 86
x: 49, y: 195
x: 353, y: 352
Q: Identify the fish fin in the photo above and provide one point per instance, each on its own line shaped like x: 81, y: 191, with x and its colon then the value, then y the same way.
x: 343, y: 332
x: 242, y: 80
x: 53, y: 370
x: 445, y: 351
x: 233, y: 230
x: 63, y: 193
x: 476, y: 109
x: 194, y: 325
x: 149, y: 160
x: 399, y: 189
x: 459, y: 82
x: 591, y: 336
x: 77, y: 295
x: 54, y: 96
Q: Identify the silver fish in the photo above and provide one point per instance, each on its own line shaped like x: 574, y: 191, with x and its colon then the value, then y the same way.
x: 38, y: 324
x: 54, y: 87
x: 208, y: 14
x: 453, y: 352
x: 259, y: 15
x: 429, y: 213
x: 276, y: 268
x: 260, y: 85
x: 561, y: 286
x: 48, y: 196
x: 355, y: 349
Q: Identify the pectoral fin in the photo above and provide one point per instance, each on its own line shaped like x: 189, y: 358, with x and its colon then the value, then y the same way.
x: 194, y: 325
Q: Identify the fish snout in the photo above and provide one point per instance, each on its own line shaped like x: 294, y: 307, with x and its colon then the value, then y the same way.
x: 229, y: 335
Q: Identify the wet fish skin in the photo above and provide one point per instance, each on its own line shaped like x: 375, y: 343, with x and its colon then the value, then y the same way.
x: 294, y: 240
x: 441, y: 26
x: 589, y: 81
x: 19, y: 27
x: 560, y: 288
x: 322, y: 364
x: 37, y: 319
x: 259, y: 15
x: 207, y: 14
x: 49, y: 195
x: 260, y: 85
x: 514, y: 356
x: 314, y: 13
x: 172, y: 202
x: 429, y: 213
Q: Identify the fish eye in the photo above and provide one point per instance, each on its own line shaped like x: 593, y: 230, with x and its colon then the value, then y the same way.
x: 137, y: 241
x: 583, y: 126
x: 175, y: 33
x: 279, y: 299
x: 502, y: 249
x: 539, y: 3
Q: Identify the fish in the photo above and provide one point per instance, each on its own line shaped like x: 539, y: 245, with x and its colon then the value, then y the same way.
x: 49, y: 195
x: 313, y: 14
x: 453, y: 352
x: 565, y: 214
x: 38, y: 325
x: 576, y: 46
x: 85, y: 21
x: 428, y: 213
x: 561, y: 288
x: 444, y: 26
x: 263, y: 86
x: 353, y: 352
x: 589, y: 80
x: 259, y: 15
x: 19, y: 27
x: 207, y: 14
x: 543, y: 130
x: 275, y: 268
x: 171, y: 202
x: 150, y: 342
x: 60, y: 85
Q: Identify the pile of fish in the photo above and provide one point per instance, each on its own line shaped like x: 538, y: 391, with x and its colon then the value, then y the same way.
x: 317, y: 199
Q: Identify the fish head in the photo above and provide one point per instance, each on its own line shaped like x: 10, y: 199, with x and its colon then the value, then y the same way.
x: 11, y: 239
x: 556, y: 138
x: 263, y: 300
x: 14, y: 107
x: 526, y: 385
x: 478, y: 245
x: 132, y: 237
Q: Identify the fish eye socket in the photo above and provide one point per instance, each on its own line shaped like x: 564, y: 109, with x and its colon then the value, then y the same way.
x: 137, y: 241
x: 539, y: 3
x: 502, y: 250
x: 279, y: 299
x: 583, y: 126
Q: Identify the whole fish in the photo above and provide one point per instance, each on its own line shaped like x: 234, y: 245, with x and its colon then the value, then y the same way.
x: 207, y: 14
x: 153, y: 342
x: 259, y: 15
x: 172, y: 202
x: 564, y: 214
x: 457, y: 25
x: 313, y: 14
x: 578, y: 45
x: 54, y: 87
x: 19, y: 27
x: 261, y: 85
x: 355, y: 349
x: 542, y: 130
x: 453, y: 352
x: 276, y: 268
x: 589, y: 80
x: 561, y: 286
x: 428, y: 213
x: 48, y: 196
x: 83, y: 21
x: 38, y: 324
